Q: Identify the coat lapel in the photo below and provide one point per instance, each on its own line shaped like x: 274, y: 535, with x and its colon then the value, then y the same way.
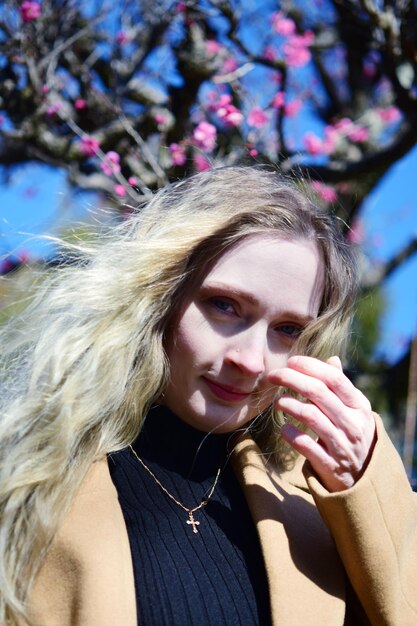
x: 305, y: 575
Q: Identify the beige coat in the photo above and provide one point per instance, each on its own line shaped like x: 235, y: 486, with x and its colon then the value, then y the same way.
x: 87, y: 579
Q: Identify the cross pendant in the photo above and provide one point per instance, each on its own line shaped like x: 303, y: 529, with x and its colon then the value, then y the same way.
x: 194, y: 523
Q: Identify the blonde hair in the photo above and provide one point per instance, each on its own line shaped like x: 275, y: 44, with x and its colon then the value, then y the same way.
x: 90, y: 349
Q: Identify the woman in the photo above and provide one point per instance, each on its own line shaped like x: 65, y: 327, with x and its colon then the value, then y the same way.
x: 149, y: 474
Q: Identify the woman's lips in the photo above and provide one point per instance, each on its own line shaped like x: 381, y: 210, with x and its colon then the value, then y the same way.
x: 224, y: 392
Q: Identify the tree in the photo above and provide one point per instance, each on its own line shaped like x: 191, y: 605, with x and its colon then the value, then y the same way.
x: 125, y: 98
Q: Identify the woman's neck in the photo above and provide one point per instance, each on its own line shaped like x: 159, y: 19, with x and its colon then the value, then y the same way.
x: 176, y: 445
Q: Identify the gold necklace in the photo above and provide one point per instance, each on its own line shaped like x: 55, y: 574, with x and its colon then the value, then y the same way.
x: 194, y: 523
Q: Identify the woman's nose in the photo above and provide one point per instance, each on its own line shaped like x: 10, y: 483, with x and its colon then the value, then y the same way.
x: 248, y: 353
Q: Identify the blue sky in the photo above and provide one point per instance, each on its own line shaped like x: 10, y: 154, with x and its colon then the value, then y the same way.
x: 37, y: 201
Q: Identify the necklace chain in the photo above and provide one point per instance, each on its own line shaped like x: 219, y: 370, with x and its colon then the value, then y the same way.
x: 194, y: 523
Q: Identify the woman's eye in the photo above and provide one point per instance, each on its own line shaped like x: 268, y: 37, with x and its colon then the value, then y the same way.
x: 223, y: 305
x: 290, y: 330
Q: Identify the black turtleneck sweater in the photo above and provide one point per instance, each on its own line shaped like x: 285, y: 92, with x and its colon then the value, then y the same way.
x: 215, y: 576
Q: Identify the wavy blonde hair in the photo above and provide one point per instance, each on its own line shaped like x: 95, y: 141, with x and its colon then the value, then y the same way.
x: 89, y: 351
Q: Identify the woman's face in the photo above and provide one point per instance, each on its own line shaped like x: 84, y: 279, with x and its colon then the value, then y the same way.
x: 237, y: 326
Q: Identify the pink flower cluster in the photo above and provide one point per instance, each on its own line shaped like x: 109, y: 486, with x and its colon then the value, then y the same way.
x: 201, y: 163
x: 213, y: 47
x: 120, y: 190
x: 296, y: 47
x: 122, y: 38
x: 80, y: 104
x: 205, y: 136
x: 291, y: 108
x: 282, y: 25
x: 356, y: 234
x: 178, y: 155
x: 314, y: 145
x: 53, y: 109
x: 257, y: 117
x: 278, y: 100
x: 355, y: 132
x: 325, y: 192
x: 389, y: 114
x: 332, y: 134
x: 230, y: 65
x: 89, y: 145
x: 296, y: 50
x: 226, y: 111
x: 111, y: 163
x: 29, y: 11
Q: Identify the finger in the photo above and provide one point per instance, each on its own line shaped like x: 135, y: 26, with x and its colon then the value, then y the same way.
x: 336, y: 362
x: 335, y: 476
x: 332, y: 376
x: 304, y: 444
x: 339, y: 444
x: 314, y: 390
x: 309, y: 415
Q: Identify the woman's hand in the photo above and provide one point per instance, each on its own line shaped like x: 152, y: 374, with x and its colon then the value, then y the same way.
x: 336, y: 411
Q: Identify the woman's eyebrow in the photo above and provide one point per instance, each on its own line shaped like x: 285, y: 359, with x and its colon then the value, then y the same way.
x: 232, y: 290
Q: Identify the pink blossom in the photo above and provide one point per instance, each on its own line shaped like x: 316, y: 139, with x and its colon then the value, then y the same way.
x: 120, y: 191
x: 213, y: 46
x: 111, y: 163
x: 53, y: 108
x: 132, y: 180
x: 230, y: 115
x: 80, y: 104
x: 296, y: 49
x: 180, y: 7
x: 1, y: 120
x: 253, y: 152
x: 230, y: 65
x: 344, y: 125
x: 44, y: 89
x: 278, y: 100
x: 302, y: 41
x: 291, y: 108
x: 24, y: 256
x: 257, y: 117
x: 356, y: 233
x: 122, y: 38
x: 270, y: 53
x: 224, y: 100
x: 30, y: 11
x: 177, y: 154
x: 358, y: 134
x: 282, y: 25
x: 330, y: 138
x: 344, y: 188
x: 325, y: 192
x: 313, y: 144
x: 205, y: 136
x: 296, y: 57
x: 89, y: 145
x: 227, y: 112
x: 211, y: 96
x: 389, y: 114
x: 354, y: 132
x: 201, y: 163
x: 161, y: 120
